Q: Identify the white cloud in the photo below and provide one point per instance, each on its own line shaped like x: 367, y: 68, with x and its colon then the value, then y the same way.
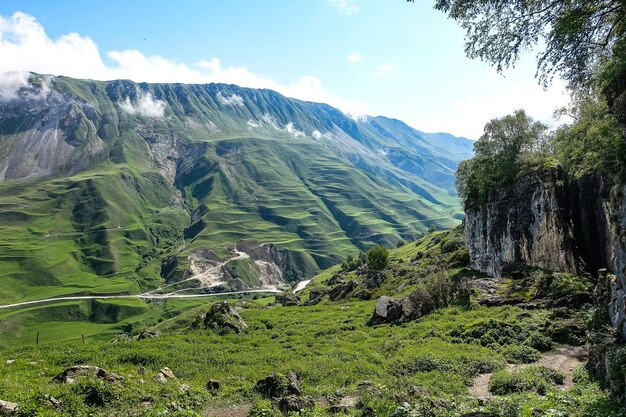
x: 355, y: 58
x: 346, y: 7
x: 293, y: 131
x: 145, y: 105
x: 316, y: 134
x: 25, y: 46
x: 232, y: 100
x: 11, y: 83
x: 384, y: 70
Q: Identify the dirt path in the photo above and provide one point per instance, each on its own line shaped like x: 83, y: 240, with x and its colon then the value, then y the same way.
x: 564, y: 359
x: 241, y: 410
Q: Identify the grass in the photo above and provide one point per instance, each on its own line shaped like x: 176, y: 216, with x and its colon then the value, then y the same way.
x: 107, y: 227
x: 329, y: 346
x: 422, y: 367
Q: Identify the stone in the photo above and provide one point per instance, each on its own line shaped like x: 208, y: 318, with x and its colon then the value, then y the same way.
x: 500, y: 300
x: 387, y: 310
x: 276, y: 385
x: 374, y: 279
x: 294, y: 404
x: 224, y: 316
x: 342, y: 291
x: 70, y: 374
x: 213, y: 385
x: 148, y: 334
x: 167, y: 373
x: 287, y: 299
x: 7, y: 408
x: 294, y: 384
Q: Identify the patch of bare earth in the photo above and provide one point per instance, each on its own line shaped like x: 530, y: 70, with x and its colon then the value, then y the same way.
x: 564, y: 359
x: 238, y: 410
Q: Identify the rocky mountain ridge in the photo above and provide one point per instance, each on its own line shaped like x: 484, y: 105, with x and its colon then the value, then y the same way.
x: 135, y: 181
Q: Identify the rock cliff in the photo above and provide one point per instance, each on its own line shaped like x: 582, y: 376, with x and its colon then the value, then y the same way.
x: 549, y: 221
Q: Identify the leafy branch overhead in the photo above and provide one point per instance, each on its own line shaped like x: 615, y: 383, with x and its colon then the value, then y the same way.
x: 576, y: 37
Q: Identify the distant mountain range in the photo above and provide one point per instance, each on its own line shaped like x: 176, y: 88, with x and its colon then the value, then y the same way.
x: 112, y: 187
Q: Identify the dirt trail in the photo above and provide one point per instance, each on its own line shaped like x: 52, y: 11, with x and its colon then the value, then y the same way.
x: 241, y: 410
x: 564, y: 359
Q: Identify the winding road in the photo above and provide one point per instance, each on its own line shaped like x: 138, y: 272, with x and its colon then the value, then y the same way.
x: 144, y: 296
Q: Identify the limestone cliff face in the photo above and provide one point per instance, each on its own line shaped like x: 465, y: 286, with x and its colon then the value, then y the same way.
x: 548, y: 221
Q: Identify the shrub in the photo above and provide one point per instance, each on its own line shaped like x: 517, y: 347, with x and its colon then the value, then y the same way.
x: 520, y: 354
x: 378, y: 258
x: 533, y: 378
x: 538, y: 341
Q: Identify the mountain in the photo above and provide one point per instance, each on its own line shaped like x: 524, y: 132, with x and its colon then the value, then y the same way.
x: 119, y: 187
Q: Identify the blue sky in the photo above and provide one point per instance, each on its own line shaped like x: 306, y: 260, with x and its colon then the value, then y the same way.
x: 398, y: 59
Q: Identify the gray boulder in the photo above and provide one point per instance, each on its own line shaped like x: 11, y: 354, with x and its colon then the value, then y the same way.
x: 223, y: 316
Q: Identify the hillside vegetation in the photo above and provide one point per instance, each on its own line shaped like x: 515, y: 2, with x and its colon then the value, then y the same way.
x: 343, y: 363
x: 118, y: 187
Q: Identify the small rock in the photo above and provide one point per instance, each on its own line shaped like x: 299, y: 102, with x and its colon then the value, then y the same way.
x: 184, y: 388
x: 10, y: 361
x: 54, y: 402
x: 148, y: 334
x: 123, y: 337
x: 294, y: 404
x: 294, y: 385
x: 160, y: 378
x: 167, y: 373
x: 141, y: 371
x: 213, y: 385
x: 70, y: 374
x: 287, y: 299
x: 276, y: 385
x: 7, y: 408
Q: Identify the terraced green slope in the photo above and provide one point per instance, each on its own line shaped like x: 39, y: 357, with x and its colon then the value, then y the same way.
x: 110, y: 187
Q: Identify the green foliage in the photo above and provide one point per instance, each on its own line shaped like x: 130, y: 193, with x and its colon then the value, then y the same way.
x: 592, y: 142
x: 533, y: 378
x: 520, y: 353
x: 576, y: 36
x: 378, y: 258
x: 499, y: 155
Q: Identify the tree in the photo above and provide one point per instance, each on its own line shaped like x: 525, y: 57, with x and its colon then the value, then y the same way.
x: 378, y: 258
x: 500, y: 154
x: 592, y: 141
x: 580, y: 36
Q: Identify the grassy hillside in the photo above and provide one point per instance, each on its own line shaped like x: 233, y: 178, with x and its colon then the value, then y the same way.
x: 110, y: 187
x: 432, y: 366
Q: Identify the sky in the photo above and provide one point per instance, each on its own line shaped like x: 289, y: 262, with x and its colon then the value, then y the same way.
x: 375, y: 57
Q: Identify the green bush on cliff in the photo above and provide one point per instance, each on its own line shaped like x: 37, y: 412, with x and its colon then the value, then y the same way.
x: 500, y: 154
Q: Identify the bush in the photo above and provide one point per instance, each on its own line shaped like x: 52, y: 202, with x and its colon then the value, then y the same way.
x: 520, y: 354
x: 538, y: 341
x: 533, y: 378
x: 378, y: 258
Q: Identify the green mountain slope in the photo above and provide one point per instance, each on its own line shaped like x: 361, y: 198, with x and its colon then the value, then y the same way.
x: 112, y: 187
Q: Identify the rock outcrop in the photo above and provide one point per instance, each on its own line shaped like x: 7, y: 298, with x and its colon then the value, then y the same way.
x: 223, y: 316
x: 549, y: 221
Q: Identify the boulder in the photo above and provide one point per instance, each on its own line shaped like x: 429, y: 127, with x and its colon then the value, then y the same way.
x: 213, y: 385
x: 148, y: 334
x: 7, y: 408
x: 374, y: 279
x: 224, y: 316
x: 287, y: 299
x: 277, y: 385
x: 388, y: 310
x: 70, y: 374
x: 294, y: 404
x: 341, y: 291
x: 335, y: 279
